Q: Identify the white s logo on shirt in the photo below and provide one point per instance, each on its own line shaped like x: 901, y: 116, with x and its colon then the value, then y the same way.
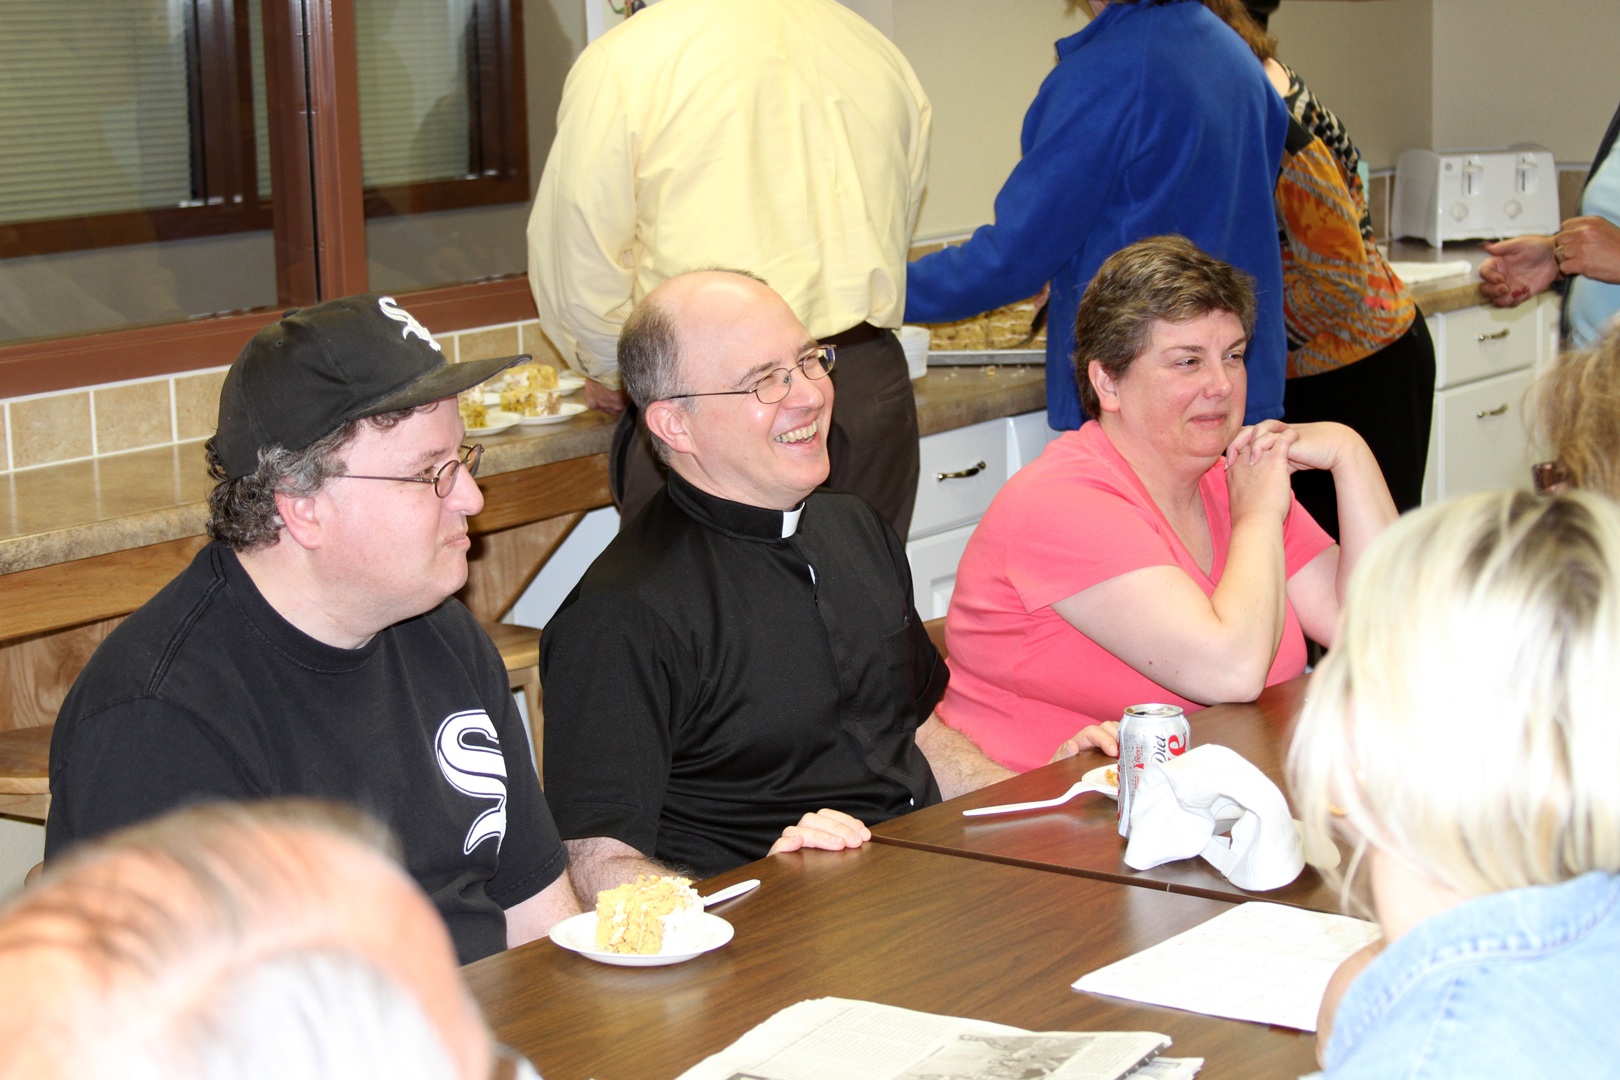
x: 475, y: 768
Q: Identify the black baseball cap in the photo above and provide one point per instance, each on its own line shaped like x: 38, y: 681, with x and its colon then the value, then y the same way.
x: 315, y: 369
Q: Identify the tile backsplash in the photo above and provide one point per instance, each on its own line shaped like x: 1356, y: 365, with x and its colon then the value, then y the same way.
x: 95, y: 421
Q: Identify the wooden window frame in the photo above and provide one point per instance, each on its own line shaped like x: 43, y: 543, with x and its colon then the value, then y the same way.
x: 319, y: 213
x: 224, y: 175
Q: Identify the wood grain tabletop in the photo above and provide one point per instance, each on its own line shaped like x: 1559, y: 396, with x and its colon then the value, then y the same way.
x: 916, y: 929
x: 1082, y: 836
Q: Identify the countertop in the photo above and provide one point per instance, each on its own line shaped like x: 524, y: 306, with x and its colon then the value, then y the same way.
x: 74, y: 511
x: 1443, y: 294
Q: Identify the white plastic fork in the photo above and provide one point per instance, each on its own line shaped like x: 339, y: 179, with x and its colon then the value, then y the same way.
x: 730, y: 892
x: 1080, y: 787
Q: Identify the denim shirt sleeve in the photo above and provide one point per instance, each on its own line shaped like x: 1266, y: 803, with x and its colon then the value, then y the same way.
x: 1518, y: 983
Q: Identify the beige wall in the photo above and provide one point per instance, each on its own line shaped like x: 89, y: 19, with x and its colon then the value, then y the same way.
x: 1400, y: 73
x: 1457, y: 73
x: 1544, y: 71
x: 1370, y: 62
x: 981, y: 62
x: 553, y: 36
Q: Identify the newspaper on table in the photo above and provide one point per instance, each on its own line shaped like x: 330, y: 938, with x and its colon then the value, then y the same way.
x: 1267, y: 963
x: 841, y: 1039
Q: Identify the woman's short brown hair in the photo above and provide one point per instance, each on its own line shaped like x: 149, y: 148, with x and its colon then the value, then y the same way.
x: 1160, y: 279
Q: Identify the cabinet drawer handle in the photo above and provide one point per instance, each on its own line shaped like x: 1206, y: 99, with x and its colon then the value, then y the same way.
x: 1498, y: 411
x: 961, y: 474
x: 1498, y: 336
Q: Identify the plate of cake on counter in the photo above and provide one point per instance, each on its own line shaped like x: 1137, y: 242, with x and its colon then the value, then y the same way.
x: 566, y: 410
x: 478, y: 418
x: 533, y: 393
x: 650, y: 922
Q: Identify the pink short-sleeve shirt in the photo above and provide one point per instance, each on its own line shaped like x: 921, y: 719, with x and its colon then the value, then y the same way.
x: 1022, y: 679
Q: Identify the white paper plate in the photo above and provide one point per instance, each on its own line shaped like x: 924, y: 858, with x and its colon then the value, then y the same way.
x: 566, y: 412
x: 1099, y: 776
x: 578, y: 934
x: 567, y: 382
x: 498, y: 421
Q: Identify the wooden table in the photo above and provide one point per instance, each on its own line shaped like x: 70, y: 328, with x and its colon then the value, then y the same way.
x: 1082, y: 837
x: 937, y: 933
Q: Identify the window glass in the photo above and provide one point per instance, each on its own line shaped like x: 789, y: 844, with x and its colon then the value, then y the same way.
x: 414, y: 93
x: 114, y: 207
x: 135, y: 153
x: 443, y: 154
x: 94, y: 114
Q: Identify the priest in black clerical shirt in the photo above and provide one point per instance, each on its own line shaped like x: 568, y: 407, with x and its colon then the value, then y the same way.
x: 741, y: 671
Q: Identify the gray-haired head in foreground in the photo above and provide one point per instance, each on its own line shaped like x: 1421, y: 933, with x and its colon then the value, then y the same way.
x: 232, y: 942
x: 311, y: 1013
x: 1160, y: 279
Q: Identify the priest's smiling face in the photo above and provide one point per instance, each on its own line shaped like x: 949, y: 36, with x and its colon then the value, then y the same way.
x: 734, y: 332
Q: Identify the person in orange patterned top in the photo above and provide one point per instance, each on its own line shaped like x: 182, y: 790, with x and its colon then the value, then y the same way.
x: 1358, y: 352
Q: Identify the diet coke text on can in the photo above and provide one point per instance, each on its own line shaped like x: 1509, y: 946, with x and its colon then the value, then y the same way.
x: 1147, y: 733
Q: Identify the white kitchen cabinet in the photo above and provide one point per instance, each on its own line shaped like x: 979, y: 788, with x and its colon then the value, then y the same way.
x: 1479, y: 428
x: 1485, y: 358
x: 961, y: 472
x: 933, y: 569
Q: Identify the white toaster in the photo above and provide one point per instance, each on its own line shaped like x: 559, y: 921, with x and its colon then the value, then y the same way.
x: 1443, y: 195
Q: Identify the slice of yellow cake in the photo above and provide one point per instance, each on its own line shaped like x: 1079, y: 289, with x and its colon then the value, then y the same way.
x: 539, y: 376
x: 640, y: 916
x: 474, y: 413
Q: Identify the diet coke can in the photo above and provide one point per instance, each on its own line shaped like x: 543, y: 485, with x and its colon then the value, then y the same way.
x: 1147, y: 733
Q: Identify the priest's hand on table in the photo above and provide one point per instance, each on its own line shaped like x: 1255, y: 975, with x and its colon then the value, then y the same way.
x: 829, y: 830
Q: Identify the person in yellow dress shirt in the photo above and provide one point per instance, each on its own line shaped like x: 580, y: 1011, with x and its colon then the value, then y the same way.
x: 788, y: 138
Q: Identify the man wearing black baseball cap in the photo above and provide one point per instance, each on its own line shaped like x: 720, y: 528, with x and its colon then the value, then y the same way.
x: 314, y: 648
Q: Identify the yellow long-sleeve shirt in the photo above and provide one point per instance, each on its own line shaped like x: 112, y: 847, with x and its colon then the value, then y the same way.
x: 785, y: 137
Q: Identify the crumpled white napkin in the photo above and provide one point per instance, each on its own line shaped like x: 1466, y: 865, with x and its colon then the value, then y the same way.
x: 1181, y: 805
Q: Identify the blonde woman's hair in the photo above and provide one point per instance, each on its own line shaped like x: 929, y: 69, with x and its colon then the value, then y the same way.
x: 1463, y: 722
x: 1575, y: 415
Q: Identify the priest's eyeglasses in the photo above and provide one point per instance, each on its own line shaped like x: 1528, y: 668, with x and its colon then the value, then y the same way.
x: 773, y: 386
x: 444, y: 479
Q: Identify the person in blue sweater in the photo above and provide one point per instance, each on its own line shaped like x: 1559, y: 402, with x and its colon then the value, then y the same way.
x: 1156, y: 120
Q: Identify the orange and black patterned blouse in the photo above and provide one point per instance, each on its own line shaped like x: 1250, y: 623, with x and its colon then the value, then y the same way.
x: 1341, y: 300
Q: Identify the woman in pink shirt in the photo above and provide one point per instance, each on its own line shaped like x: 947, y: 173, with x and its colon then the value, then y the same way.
x: 1156, y: 554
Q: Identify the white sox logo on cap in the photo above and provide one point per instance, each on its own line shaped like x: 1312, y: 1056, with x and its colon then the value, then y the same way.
x: 390, y: 307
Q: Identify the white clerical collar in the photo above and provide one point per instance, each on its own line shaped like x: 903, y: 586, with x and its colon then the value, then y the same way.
x: 790, y: 520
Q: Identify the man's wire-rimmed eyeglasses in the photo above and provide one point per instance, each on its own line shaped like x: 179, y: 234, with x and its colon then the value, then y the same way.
x: 444, y: 480
x: 773, y: 386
